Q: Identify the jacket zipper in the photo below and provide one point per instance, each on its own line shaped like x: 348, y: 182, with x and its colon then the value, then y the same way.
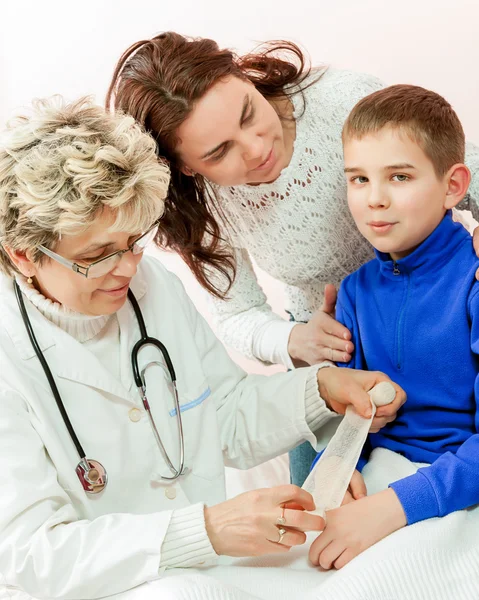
x: 399, y: 329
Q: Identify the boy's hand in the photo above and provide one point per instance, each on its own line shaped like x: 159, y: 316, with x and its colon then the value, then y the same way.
x: 356, y: 490
x: 356, y: 526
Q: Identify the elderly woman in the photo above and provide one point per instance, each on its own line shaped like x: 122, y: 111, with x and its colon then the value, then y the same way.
x: 118, y: 406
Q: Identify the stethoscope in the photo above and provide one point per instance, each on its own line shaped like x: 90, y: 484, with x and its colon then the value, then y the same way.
x: 91, y: 473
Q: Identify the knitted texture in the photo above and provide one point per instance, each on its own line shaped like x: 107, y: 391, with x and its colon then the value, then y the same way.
x: 297, y: 229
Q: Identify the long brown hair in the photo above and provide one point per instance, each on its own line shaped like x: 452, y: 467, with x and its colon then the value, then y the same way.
x: 158, y: 81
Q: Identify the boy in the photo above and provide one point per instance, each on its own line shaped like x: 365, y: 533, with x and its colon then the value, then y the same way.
x: 413, y: 311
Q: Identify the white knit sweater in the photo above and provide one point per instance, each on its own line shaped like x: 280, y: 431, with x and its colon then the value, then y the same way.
x: 298, y: 229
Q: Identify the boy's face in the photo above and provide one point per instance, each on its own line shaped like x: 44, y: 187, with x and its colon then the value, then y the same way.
x: 394, y: 193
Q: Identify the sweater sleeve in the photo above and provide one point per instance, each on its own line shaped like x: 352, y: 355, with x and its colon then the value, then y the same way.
x: 246, y: 322
x: 186, y: 542
x: 472, y: 198
x: 258, y: 416
x: 452, y: 481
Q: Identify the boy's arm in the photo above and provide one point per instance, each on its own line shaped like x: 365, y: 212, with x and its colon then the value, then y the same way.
x: 346, y: 315
x: 472, y: 197
x: 452, y: 482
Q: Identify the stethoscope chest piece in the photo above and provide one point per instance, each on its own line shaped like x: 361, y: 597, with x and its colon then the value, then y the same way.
x: 94, y: 478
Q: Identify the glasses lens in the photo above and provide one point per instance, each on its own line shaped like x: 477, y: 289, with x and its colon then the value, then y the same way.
x: 142, y: 242
x: 104, y: 267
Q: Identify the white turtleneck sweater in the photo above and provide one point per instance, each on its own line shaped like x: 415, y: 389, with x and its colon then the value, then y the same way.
x: 186, y: 543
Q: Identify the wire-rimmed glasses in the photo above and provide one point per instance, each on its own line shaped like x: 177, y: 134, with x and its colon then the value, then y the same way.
x: 104, y: 265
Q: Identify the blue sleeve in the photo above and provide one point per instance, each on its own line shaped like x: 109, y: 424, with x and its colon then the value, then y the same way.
x: 346, y: 315
x: 452, y: 482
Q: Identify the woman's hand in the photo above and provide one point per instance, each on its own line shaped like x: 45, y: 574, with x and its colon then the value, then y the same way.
x: 340, y: 387
x: 475, y: 241
x: 248, y: 524
x: 323, y: 338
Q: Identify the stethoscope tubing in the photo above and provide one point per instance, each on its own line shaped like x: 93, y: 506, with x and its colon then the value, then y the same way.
x: 85, y: 467
x: 47, y: 371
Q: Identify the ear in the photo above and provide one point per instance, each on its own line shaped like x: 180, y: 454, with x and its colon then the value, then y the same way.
x: 22, y: 261
x: 187, y: 171
x: 457, y: 178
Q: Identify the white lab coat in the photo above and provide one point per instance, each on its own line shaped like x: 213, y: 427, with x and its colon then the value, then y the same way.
x: 55, y: 540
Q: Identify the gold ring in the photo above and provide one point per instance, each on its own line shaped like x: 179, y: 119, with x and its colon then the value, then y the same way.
x: 281, y: 532
x: 281, y: 520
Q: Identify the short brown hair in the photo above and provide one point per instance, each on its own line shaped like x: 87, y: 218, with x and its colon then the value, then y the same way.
x: 424, y: 115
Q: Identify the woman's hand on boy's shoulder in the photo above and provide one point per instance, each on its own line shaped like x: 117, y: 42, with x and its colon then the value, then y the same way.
x: 475, y: 241
x: 322, y: 338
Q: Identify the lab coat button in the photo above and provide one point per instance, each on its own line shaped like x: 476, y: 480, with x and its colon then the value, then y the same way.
x: 170, y: 493
x: 135, y: 415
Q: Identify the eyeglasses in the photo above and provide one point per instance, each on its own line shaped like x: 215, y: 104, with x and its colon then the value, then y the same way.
x: 104, y: 265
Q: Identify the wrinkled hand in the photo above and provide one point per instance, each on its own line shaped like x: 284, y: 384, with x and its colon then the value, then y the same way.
x: 246, y: 525
x: 356, y: 490
x: 340, y: 387
x: 356, y: 526
x: 322, y: 338
x: 475, y: 241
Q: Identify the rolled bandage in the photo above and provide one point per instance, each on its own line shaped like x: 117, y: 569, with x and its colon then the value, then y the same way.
x: 331, y: 475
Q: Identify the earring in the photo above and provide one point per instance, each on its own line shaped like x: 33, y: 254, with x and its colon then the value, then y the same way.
x: 30, y: 281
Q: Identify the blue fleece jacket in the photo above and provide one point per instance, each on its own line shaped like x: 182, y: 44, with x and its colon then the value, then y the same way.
x: 417, y: 320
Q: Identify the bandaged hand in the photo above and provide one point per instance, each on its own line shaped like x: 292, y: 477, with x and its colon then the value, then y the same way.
x: 354, y: 527
x: 356, y: 490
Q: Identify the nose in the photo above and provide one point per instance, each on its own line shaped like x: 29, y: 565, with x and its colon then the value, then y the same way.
x: 127, y: 265
x: 253, y: 147
x: 378, y: 197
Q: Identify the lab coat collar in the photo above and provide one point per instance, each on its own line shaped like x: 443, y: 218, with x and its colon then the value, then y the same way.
x: 67, y: 357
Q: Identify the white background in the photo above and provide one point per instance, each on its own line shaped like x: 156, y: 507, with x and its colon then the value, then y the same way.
x: 53, y: 46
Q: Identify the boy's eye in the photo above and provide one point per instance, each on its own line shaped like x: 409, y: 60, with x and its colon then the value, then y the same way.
x: 400, y: 177
x: 359, y: 179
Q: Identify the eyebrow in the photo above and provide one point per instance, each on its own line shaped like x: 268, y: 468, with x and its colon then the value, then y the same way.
x: 388, y: 168
x: 93, y: 247
x: 246, y: 103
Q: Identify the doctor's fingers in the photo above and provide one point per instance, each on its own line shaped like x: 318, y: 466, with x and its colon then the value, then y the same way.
x: 286, y: 537
x: 290, y: 495
x: 301, y: 520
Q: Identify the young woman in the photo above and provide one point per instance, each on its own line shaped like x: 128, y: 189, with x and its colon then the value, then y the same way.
x: 111, y: 472
x: 254, y: 145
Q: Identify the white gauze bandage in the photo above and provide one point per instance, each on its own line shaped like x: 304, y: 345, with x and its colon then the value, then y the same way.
x: 330, y: 478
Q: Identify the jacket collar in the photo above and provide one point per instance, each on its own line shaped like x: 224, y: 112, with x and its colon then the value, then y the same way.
x: 435, y: 251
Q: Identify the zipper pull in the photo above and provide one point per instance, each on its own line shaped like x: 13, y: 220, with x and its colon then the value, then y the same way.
x: 396, y: 270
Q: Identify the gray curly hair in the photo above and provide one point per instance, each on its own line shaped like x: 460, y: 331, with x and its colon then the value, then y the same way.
x: 63, y: 164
